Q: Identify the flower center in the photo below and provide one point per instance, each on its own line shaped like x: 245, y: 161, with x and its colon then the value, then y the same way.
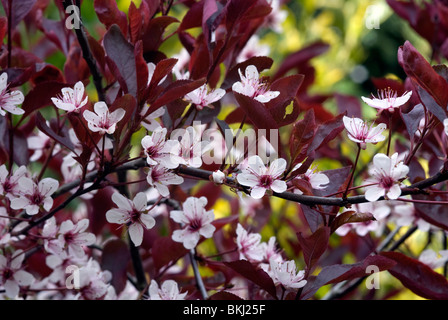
x: 195, y: 225
x: 135, y: 216
x: 387, y: 182
x: 7, y: 274
x: 36, y: 198
x: 266, y: 181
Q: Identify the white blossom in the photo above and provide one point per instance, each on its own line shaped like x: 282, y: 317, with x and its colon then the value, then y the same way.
x: 9, y: 100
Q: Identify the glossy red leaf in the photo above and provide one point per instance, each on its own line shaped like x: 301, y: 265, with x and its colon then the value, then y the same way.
x: 350, y: 216
x: 418, y: 277
x: 40, y: 96
x: 433, y: 213
x: 301, y: 136
x: 19, y: 10
x: 326, y: 132
x: 154, y: 33
x: 256, y: 112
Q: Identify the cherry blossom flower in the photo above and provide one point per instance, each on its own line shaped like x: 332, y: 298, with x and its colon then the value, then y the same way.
x: 161, y: 177
x: 251, y: 86
x: 35, y: 196
x: 40, y: 143
x: 360, y: 132
x: 192, y: 146
x: 158, y: 150
x: 270, y: 251
x: 9, y: 100
x: 218, y: 177
x: 195, y: 221
x: 285, y: 273
x: 253, y: 48
x: 11, y: 275
x: 73, y: 237
x: 204, y: 97
x: 249, y: 245
x: 149, y: 122
x: 102, y: 120
x: 9, y: 184
x: 261, y: 178
x: 169, y: 290
x: 317, y: 180
x: 59, y: 264
x: 276, y: 18
x: 387, y: 100
x: 93, y: 282
x: 72, y: 100
x: 433, y: 259
x: 386, y: 174
x: 132, y: 213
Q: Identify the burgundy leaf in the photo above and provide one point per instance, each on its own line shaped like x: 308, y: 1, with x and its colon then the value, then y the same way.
x: 288, y: 88
x: 297, y: 59
x: 340, y: 272
x: 19, y: 10
x: 326, y: 132
x: 350, y: 216
x: 256, y: 112
x: 431, y: 105
x: 349, y: 105
x: 412, y: 119
x: 63, y: 140
x: 314, y: 246
x: 254, y: 274
x: 40, y: 96
x: 419, y: 70
x: 433, y: 213
x: 418, y: 277
x: 115, y: 258
x: 153, y: 36
x: 109, y: 14
x: 224, y: 295
x: 120, y: 56
x: 165, y: 250
x: 301, y: 136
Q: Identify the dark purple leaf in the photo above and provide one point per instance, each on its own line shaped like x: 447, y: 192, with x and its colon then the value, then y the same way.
x: 120, y: 54
x: 418, y: 277
x: 40, y: 96
x: 19, y: 10
x: 166, y: 250
x: 350, y: 105
x: 115, y: 258
x: 63, y: 140
x: 314, y: 246
x: 412, y: 119
x: 431, y: 105
x: 433, y: 213
x: 301, y: 136
x: 350, y: 217
x: 340, y: 272
x: 109, y: 14
x: 326, y: 132
x: 254, y: 274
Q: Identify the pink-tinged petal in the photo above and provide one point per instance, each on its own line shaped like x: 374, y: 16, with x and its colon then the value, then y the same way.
x: 159, y: 136
x: 32, y: 210
x: 256, y: 164
x: 13, y: 109
x: 257, y: 192
x: 267, y: 96
x: 376, y: 103
x: 279, y: 186
x: 238, y: 87
x: 15, y: 98
x: 48, y: 186
x: 23, y: 278
x: 117, y: 115
x: 78, y: 92
x: 151, y: 68
x: 82, y: 225
x: 17, y: 259
x: 162, y: 189
x: 215, y: 95
x: 66, y: 226
x: 208, y: 217
x: 136, y: 233
x: 85, y: 239
x: 101, y: 109
x: 178, y: 216
x: 3, y: 81
x: 66, y: 106
x: 3, y: 262
x: 140, y: 201
x: 252, y: 73
x: 26, y: 185
x: 382, y: 162
x: 147, y: 142
x: 76, y: 250
x: 373, y: 193
x: 399, y: 101
x: 19, y: 203
x: 117, y: 216
x: 121, y: 201
x: 190, y: 240
x: 147, y: 221
x: 11, y: 288
x: 48, y: 203
x: 207, y: 230
x: 394, y: 192
x: 247, y: 179
x: 277, y: 167
x: 319, y: 181
x: 91, y: 117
